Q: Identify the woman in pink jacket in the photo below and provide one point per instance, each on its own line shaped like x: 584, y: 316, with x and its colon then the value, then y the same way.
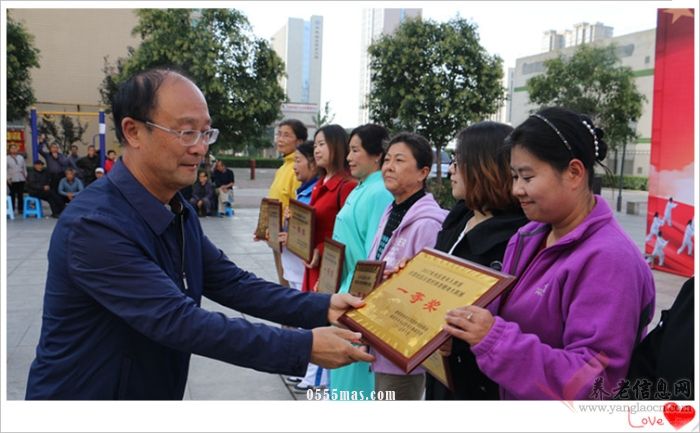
x: 583, y: 294
x: 409, y: 224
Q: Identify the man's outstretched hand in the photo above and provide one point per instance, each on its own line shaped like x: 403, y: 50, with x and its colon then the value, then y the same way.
x: 341, y: 303
x: 332, y: 347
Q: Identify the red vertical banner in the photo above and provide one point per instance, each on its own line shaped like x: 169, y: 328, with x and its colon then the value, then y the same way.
x: 671, y: 233
x: 16, y: 136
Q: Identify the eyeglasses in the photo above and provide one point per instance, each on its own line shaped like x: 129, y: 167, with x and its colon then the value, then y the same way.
x: 189, y: 137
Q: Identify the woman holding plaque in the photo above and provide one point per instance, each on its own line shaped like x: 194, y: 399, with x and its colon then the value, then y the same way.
x: 290, y: 133
x: 583, y: 294
x: 329, y: 194
x: 477, y: 229
x: 410, y: 223
x: 355, y: 227
x: 306, y: 172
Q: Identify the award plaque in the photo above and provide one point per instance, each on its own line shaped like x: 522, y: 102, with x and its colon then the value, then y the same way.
x: 403, y: 317
x: 300, y: 240
x: 331, y: 266
x: 438, y: 367
x: 368, y: 274
x: 261, y: 228
x: 274, y: 224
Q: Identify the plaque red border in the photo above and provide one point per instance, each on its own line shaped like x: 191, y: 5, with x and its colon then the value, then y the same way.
x: 409, y: 364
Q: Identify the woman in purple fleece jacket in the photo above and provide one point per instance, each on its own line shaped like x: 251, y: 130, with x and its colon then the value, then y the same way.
x: 409, y: 224
x: 583, y: 294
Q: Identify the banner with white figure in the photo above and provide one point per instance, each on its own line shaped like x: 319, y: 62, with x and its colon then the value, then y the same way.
x: 670, y: 228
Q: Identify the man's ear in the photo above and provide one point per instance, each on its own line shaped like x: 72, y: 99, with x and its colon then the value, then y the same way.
x: 131, y: 131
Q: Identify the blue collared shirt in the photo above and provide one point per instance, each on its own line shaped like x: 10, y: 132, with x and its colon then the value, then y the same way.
x: 122, y: 302
x: 305, y: 190
x: 64, y: 187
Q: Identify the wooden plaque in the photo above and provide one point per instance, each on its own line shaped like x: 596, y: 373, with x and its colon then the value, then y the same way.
x: 404, y: 316
x: 300, y: 240
x: 274, y: 224
x: 331, y: 266
x: 261, y: 228
x: 438, y: 366
x: 368, y: 274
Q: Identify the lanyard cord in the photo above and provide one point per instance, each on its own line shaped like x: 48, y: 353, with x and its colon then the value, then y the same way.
x: 181, y: 228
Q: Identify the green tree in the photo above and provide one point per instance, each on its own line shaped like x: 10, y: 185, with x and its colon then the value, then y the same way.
x: 592, y: 81
x: 237, y: 72
x: 433, y: 79
x: 63, y: 132
x: 21, y: 57
x: 323, y: 117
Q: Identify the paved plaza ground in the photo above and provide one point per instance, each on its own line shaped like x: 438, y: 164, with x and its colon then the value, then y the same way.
x: 27, y: 246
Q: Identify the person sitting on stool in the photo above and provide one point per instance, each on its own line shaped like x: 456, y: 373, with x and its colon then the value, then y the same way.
x: 202, y: 194
x: 70, y: 186
x: 39, y: 186
x: 223, y: 180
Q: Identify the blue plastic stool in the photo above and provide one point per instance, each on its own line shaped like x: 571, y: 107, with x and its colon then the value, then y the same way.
x: 10, y: 208
x: 229, y: 211
x: 32, y: 206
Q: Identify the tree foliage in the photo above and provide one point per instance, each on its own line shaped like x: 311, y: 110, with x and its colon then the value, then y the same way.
x: 433, y: 79
x: 237, y: 72
x: 65, y: 131
x: 21, y: 57
x: 323, y: 117
x: 594, y: 82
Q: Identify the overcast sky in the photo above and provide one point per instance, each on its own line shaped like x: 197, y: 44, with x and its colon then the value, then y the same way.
x: 509, y: 29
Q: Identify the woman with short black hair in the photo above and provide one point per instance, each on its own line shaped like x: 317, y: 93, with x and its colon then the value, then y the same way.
x: 409, y: 224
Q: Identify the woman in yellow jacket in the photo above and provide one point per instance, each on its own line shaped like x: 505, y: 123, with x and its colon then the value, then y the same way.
x: 290, y: 134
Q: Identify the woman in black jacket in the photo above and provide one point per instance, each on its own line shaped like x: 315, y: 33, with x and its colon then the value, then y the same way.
x: 478, y: 229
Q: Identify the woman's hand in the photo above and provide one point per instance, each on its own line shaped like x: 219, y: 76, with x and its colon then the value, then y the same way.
x: 315, y: 259
x: 469, y: 323
x: 282, y: 238
x: 389, y: 272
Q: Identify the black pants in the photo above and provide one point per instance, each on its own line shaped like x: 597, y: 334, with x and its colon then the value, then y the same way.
x: 54, y: 200
x: 17, y: 195
x: 55, y: 179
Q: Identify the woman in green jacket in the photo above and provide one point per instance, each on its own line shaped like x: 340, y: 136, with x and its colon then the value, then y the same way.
x: 355, y: 227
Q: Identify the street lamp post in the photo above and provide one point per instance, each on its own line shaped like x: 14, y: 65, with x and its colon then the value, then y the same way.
x: 622, y: 171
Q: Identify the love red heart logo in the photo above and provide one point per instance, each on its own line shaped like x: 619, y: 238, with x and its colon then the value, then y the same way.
x: 678, y: 416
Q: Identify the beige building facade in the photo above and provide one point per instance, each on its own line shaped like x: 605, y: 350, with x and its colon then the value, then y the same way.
x: 73, y: 44
x: 636, y: 51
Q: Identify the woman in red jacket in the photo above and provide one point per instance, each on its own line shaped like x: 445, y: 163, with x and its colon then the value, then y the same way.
x: 333, y: 187
x: 329, y: 194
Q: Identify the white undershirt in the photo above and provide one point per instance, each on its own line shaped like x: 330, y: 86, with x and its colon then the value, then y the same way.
x: 461, y: 236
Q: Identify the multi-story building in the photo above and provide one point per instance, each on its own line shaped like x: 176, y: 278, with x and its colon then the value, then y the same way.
x: 586, y: 33
x: 300, y: 45
x: 375, y: 23
x: 582, y: 33
x: 635, y: 50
